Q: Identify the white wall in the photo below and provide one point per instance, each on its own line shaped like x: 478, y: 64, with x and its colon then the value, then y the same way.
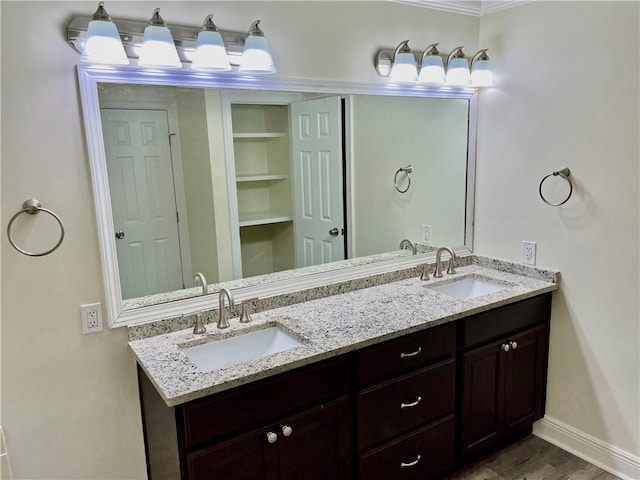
x: 568, y: 76
x: 70, y: 402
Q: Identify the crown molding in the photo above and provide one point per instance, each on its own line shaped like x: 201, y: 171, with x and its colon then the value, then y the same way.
x: 476, y: 8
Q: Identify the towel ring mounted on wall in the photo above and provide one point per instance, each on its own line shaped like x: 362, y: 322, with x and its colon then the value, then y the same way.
x: 564, y: 173
x: 32, y: 207
x: 408, y: 169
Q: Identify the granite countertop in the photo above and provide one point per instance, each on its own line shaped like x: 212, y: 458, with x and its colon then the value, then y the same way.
x: 327, y: 327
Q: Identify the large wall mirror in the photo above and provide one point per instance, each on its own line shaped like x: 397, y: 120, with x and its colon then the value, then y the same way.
x: 257, y: 187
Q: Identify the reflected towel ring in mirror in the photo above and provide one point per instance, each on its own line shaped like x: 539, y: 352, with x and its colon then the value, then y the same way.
x: 32, y: 207
x: 408, y: 169
x: 564, y: 173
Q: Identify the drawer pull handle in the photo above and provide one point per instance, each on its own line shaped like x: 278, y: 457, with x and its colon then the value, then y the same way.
x: 410, y: 464
x: 506, y: 347
x: 287, y: 430
x: 409, y: 405
x: 514, y: 345
x: 412, y: 354
x: 272, y: 437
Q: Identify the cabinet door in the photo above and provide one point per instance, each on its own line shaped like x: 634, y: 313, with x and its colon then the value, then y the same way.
x: 315, y: 445
x: 247, y: 457
x: 524, y: 379
x: 481, y: 390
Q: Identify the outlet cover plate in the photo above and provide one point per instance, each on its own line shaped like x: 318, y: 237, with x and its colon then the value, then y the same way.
x: 528, y: 252
x: 91, y: 318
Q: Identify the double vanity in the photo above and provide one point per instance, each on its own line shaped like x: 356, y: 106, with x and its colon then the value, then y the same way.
x: 408, y: 379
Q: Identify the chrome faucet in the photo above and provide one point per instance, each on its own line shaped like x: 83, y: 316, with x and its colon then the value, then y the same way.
x: 408, y: 243
x: 199, y: 278
x: 450, y: 269
x: 222, y: 319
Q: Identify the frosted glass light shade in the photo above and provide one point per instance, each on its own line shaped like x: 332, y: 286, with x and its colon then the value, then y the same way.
x: 404, y: 68
x: 103, y: 44
x: 210, y: 54
x: 432, y: 70
x: 482, y: 74
x: 458, y: 72
x: 158, y: 49
x: 256, y: 56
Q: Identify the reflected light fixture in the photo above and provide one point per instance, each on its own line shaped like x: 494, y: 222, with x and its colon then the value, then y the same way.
x: 256, y: 56
x: 432, y: 70
x: 158, y: 49
x: 403, y: 65
x: 481, y: 70
x: 457, y: 68
x: 103, y: 43
x: 210, y: 54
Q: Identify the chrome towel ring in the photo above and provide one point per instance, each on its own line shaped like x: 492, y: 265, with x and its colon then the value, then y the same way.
x: 32, y: 207
x: 408, y: 169
x: 564, y: 173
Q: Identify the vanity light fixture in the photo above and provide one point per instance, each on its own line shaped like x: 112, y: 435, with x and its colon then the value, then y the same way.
x: 481, y: 70
x: 103, y: 43
x: 210, y: 54
x: 256, y: 55
x: 403, y: 64
x: 158, y: 49
x: 457, y: 68
x: 432, y: 69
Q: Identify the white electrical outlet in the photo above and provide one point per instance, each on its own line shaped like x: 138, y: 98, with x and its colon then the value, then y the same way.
x: 91, y: 318
x: 426, y: 234
x: 528, y: 252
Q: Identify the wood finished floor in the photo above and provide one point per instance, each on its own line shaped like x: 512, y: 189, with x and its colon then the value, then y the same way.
x: 533, y: 459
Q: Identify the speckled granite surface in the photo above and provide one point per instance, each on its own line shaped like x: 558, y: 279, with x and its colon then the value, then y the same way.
x: 159, y: 298
x: 328, y: 327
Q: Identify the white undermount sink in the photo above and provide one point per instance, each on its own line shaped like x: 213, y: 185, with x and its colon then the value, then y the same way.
x: 240, y: 348
x: 468, y: 287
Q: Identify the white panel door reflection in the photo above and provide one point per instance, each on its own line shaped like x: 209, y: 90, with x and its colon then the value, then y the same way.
x: 317, y: 181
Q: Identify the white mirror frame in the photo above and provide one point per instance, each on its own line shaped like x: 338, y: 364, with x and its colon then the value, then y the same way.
x: 89, y: 77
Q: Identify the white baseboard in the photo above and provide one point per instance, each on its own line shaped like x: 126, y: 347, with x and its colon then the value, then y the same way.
x: 614, y: 460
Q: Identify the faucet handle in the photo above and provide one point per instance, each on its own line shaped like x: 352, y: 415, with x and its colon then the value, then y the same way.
x: 425, y: 272
x: 244, y: 316
x: 451, y: 268
x: 199, y: 327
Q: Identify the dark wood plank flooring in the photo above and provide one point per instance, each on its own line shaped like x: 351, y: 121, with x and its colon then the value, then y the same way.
x: 533, y: 459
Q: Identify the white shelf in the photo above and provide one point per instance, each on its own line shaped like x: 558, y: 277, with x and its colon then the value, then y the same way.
x: 262, y: 218
x: 259, y: 135
x: 261, y: 177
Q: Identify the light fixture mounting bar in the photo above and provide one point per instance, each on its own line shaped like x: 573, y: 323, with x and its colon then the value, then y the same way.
x: 132, y: 32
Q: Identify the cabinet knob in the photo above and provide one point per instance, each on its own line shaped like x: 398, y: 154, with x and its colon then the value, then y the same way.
x: 514, y: 345
x: 287, y: 430
x: 413, y: 404
x: 505, y: 347
x: 272, y: 437
x: 410, y: 464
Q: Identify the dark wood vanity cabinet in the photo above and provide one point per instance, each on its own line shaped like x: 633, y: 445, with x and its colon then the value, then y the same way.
x: 313, y: 445
x: 503, y: 382
x: 420, y: 406
x: 293, y: 426
x: 405, y: 406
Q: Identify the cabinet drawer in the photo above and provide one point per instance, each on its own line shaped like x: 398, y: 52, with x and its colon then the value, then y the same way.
x: 404, y: 354
x: 503, y: 321
x: 421, y: 455
x: 397, y: 406
x: 262, y: 402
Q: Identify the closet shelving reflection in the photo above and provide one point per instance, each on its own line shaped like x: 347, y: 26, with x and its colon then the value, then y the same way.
x: 263, y: 183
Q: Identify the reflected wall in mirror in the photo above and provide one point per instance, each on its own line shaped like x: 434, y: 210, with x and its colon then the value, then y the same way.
x: 235, y: 183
